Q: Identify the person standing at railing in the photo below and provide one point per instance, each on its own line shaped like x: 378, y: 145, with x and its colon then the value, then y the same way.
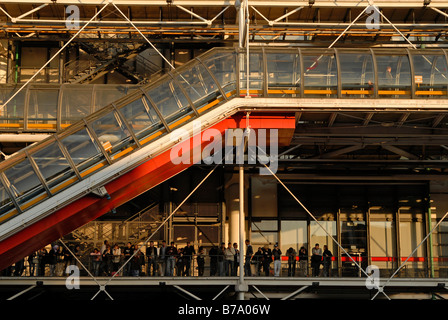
x: 221, y: 260
x: 52, y: 259
x: 116, y: 252
x: 257, y: 259
x: 127, y: 253
x: 180, y: 266
x: 277, y: 254
x: 213, y: 260
x: 96, y: 260
x: 188, y: 256
x: 267, y: 259
x: 106, y: 263
x: 136, y: 261
x: 229, y: 259
x: 161, y: 260
x: 291, y: 254
x: 303, y: 261
x: 316, y: 260
x: 43, y: 257
x: 151, y: 256
x: 171, y: 253
x: 201, y: 261
x: 236, y: 260
x: 33, y: 261
x: 327, y: 256
x: 247, y: 259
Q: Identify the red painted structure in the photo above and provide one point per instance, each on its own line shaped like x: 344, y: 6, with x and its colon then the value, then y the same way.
x: 125, y: 188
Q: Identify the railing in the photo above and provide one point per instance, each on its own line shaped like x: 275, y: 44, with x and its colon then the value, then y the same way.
x: 206, y: 266
x: 53, y: 107
x: 37, y: 173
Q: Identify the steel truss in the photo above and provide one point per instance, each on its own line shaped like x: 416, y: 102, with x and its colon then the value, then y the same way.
x: 271, y: 21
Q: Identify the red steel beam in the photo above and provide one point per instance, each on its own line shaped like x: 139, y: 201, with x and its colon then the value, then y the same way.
x: 125, y: 188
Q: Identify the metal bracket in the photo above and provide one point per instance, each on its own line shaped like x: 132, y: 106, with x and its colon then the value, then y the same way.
x: 101, y: 192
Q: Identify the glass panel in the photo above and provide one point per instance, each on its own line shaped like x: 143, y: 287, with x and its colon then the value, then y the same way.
x: 12, y: 115
x: 431, y: 76
x: 223, y: 67
x: 394, y: 76
x: 208, y: 235
x: 83, y: 150
x: 143, y: 120
x: 293, y: 235
x: 5, y: 201
x: 283, y: 74
x: 264, y: 238
x: 170, y: 100
x: 411, y: 234
x: 354, y: 241
x: 199, y: 85
x: 320, y: 75
x: 382, y: 246
x: 104, y: 95
x: 357, y: 75
x: 23, y: 182
x: 112, y: 132
x: 440, y: 242
x: 76, y: 103
x: 265, y: 225
x: 53, y: 166
x: 255, y: 75
x: 42, y: 108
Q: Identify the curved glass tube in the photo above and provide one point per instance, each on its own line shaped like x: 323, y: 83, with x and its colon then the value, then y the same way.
x: 135, y: 116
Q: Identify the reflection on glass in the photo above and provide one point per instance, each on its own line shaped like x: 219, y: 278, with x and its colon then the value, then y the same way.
x: 42, y: 108
x: 104, y: 95
x: 293, y: 234
x: 431, y: 75
x: 318, y: 235
x: 394, y: 76
x: 5, y: 201
x: 320, y: 75
x: 76, y: 103
x: 170, y: 100
x: 255, y: 75
x: 111, y: 132
x: 142, y: 118
x: 411, y: 235
x: 383, y: 246
x: 199, y: 85
x: 440, y: 241
x: 82, y: 149
x: 357, y: 75
x: 354, y: 241
x: 24, y: 183
x: 13, y: 113
x: 223, y: 65
x: 283, y: 74
x: 53, y: 165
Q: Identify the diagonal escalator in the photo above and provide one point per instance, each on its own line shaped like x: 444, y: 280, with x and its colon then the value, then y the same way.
x: 111, y: 156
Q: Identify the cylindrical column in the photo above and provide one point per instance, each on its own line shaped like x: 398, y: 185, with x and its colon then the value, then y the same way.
x: 233, y: 213
x: 241, y: 234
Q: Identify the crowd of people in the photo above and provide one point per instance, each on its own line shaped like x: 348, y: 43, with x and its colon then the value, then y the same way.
x: 172, y: 260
